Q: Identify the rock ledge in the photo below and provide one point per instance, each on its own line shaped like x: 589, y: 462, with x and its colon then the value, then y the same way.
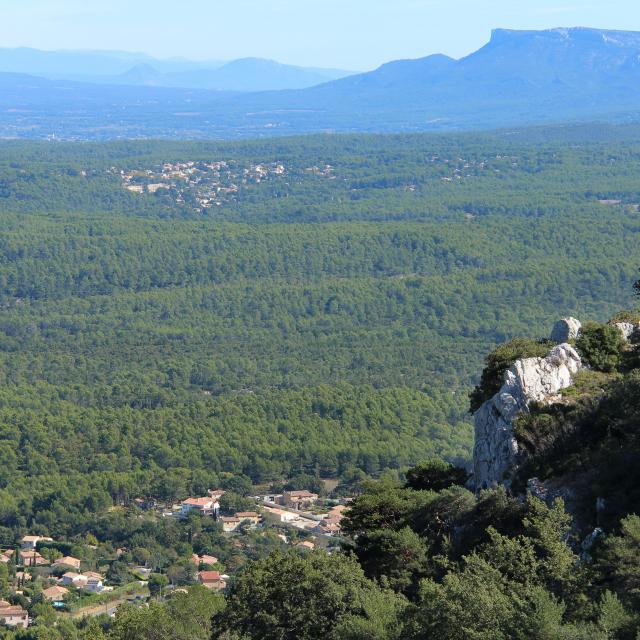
x: 528, y: 380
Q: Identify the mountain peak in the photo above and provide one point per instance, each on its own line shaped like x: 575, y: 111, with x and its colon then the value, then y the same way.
x: 624, y: 39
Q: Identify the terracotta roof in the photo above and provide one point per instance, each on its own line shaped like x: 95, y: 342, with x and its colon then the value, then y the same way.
x: 70, y: 561
x: 280, y: 512
x: 247, y: 514
x: 54, y: 592
x: 209, y: 576
x: 307, y: 544
x: 338, y: 509
x: 12, y: 611
x: 198, y: 502
x: 205, y: 559
x: 301, y: 494
x: 33, y: 556
x: 93, y: 574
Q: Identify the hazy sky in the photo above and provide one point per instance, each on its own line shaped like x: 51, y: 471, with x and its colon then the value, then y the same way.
x: 350, y: 34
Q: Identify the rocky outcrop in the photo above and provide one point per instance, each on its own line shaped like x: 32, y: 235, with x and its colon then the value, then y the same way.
x: 565, y: 329
x: 529, y: 380
x: 627, y: 329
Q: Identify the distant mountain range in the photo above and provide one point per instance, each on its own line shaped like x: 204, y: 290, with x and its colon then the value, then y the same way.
x: 138, y: 69
x: 518, y: 78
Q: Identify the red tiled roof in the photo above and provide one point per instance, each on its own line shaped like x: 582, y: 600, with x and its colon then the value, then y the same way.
x: 209, y: 576
x: 198, y: 502
x: 53, y: 592
x: 12, y: 611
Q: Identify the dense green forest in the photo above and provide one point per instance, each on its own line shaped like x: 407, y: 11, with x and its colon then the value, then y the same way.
x: 424, y: 557
x: 325, y: 320
x: 310, y: 324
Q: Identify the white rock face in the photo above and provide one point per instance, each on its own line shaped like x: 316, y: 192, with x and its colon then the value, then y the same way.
x: 565, y: 329
x: 626, y: 329
x: 529, y: 380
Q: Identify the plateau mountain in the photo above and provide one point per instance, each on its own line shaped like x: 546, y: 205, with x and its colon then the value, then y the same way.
x: 518, y: 78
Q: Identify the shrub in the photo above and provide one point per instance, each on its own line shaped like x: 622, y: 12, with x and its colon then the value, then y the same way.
x: 631, y: 315
x: 435, y: 475
x: 601, y: 346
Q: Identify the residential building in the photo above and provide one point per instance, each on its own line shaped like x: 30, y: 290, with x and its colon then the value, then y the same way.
x: 206, y: 559
x: 68, y: 561
x: 306, y: 544
x: 5, y: 556
x: 328, y: 528
x: 29, y: 543
x: 331, y: 524
x: 252, y: 516
x: 92, y: 574
x: 94, y: 585
x: 212, y: 580
x: 14, y: 616
x: 216, y: 494
x: 72, y: 579
x: 32, y: 559
x: 203, y: 559
x: 337, y: 513
x: 299, y: 499
x: 229, y: 524
x: 206, y: 506
x: 55, y: 594
x: 279, y: 516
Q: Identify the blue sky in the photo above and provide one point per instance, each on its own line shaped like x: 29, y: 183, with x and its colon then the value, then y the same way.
x: 349, y: 34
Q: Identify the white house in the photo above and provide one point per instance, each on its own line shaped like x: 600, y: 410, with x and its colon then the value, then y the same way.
x: 207, y: 506
x: 72, y: 579
x: 29, y: 543
x: 279, y: 515
x: 94, y: 585
x: 14, y: 617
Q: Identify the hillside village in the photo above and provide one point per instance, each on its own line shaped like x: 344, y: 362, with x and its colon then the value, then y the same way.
x: 203, y: 185
x: 41, y: 571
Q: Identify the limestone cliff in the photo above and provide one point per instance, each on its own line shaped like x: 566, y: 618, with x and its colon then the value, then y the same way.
x: 528, y: 380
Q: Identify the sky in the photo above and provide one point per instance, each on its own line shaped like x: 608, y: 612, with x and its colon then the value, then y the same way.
x: 355, y: 35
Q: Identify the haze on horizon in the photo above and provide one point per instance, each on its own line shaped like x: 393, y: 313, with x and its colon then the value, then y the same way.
x: 358, y: 35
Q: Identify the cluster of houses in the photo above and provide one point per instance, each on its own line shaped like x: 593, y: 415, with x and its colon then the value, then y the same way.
x: 59, y: 587
x: 299, y: 509
x: 209, y: 183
